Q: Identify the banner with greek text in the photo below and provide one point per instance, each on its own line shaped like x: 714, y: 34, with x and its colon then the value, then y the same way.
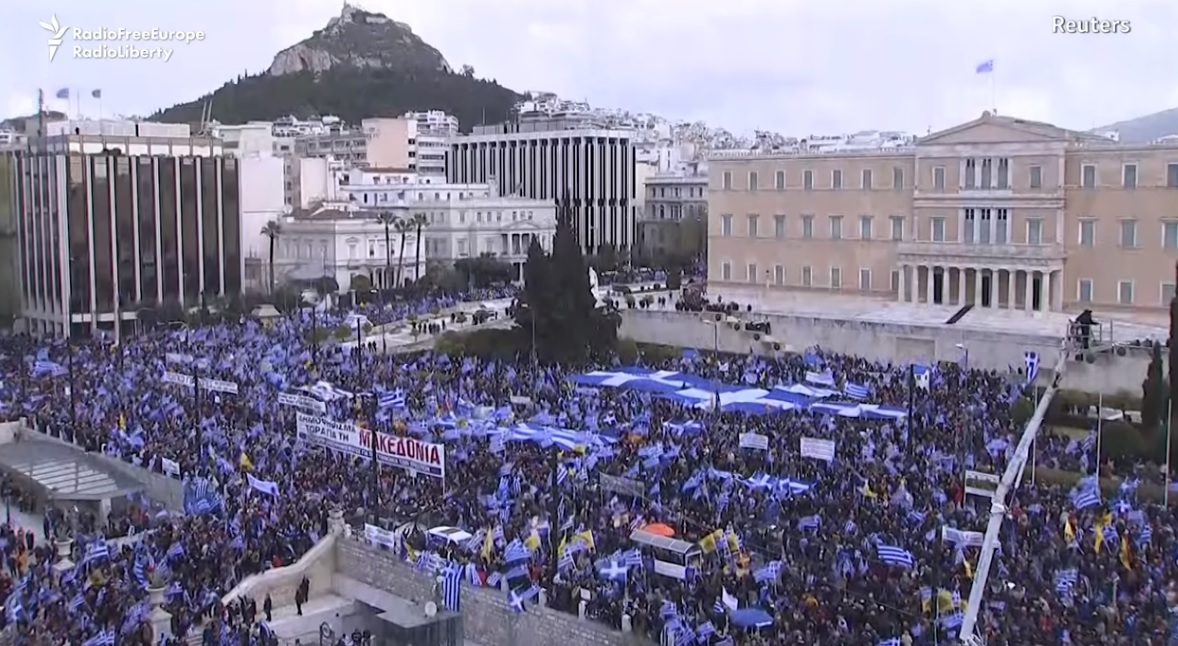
x: 404, y: 452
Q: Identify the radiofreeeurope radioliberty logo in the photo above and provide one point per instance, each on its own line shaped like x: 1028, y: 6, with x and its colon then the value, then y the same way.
x: 107, y: 43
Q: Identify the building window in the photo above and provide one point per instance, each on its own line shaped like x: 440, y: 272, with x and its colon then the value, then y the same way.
x: 867, y: 179
x: 894, y: 281
x: 836, y: 278
x: 865, y: 280
x: 898, y: 178
x: 836, y: 227
x: 865, y: 228
x: 1035, y: 231
x: 726, y: 271
x: 1129, y: 176
x: 1087, y: 233
x: 938, y: 229
x: 726, y: 178
x: 753, y: 180
x: 939, y: 179
x: 752, y: 225
x: 1001, y: 221
x: 726, y: 225
x: 808, y: 180
x: 987, y: 173
x: 836, y: 179
x: 970, y: 219
x: 1084, y: 290
x: 970, y: 179
x: 807, y: 227
x: 1125, y: 292
x: 1170, y: 235
x: 807, y: 276
x: 1167, y: 293
x: 779, y: 275
x: 1129, y: 234
x: 897, y: 228
x: 779, y: 227
x: 779, y: 180
x: 1036, y: 177
x: 1088, y: 176
x: 1003, y: 173
x: 1172, y: 175
x: 751, y: 272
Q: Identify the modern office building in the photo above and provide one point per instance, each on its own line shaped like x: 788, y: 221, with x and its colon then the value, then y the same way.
x: 595, y: 168
x: 100, y: 235
x: 997, y: 212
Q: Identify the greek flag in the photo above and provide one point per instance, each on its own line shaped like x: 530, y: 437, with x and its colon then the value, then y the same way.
x: 96, y: 552
x: 922, y: 375
x: 893, y: 555
x: 200, y: 498
x: 856, y: 391
x: 824, y: 378
x: 985, y: 67
x: 327, y: 392
x: 451, y: 588
x: 1032, y: 361
x: 44, y: 367
x: 1065, y: 579
x: 391, y: 399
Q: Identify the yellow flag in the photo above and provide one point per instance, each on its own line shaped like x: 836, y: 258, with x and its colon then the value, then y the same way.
x: 1126, y: 553
x: 587, y: 537
x: 1101, y: 523
x: 1069, y: 532
x: 244, y: 462
x: 532, y: 542
x: 489, y: 543
x: 866, y: 490
x: 968, y: 568
x: 122, y: 422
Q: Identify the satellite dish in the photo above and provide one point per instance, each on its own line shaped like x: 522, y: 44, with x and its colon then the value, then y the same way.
x: 431, y: 609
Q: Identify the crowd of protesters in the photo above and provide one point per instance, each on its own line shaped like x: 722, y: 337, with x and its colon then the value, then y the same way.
x: 873, y: 547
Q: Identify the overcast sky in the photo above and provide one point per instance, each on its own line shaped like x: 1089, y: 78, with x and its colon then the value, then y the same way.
x: 794, y: 66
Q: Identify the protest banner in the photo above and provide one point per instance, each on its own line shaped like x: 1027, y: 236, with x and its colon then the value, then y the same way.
x: 407, y: 453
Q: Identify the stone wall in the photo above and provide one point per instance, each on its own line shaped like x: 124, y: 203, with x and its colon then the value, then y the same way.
x: 993, y: 349
x: 485, y: 615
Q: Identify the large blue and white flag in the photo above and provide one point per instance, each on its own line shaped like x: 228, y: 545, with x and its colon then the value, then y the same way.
x: 452, y: 588
x: 985, y: 67
x: 1031, y: 359
x: 923, y: 376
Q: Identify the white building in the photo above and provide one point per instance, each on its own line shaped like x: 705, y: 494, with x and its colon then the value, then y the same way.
x: 96, y: 136
x: 341, y: 243
x: 595, y: 169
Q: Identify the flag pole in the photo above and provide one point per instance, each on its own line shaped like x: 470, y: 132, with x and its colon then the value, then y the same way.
x: 993, y: 92
x: 1169, y: 429
x: 1099, y: 429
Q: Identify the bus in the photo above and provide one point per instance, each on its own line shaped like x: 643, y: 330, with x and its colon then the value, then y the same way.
x: 671, y: 555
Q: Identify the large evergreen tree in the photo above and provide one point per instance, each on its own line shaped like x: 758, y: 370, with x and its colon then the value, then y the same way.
x: 1173, y: 350
x: 559, y: 310
x: 1153, y: 391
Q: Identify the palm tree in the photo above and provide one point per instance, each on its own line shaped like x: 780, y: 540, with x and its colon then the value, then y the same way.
x: 387, y: 219
x: 419, y: 221
x: 402, y: 227
x: 272, y: 230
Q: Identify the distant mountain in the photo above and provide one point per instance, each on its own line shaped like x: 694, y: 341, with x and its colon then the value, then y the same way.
x: 1145, y: 129
x: 361, y: 64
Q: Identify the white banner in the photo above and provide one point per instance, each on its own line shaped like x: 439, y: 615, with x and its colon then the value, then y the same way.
x: 302, y: 401
x: 170, y: 467
x: 818, y: 449
x: 404, y: 452
x: 382, y: 536
x: 980, y: 483
x: 215, y: 385
x: 754, y: 441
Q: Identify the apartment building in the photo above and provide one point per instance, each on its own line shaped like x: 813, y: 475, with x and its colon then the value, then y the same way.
x: 998, y: 212
x: 676, y: 207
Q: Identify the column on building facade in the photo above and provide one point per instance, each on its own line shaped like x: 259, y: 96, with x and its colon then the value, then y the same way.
x: 977, y: 286
x: 902, y: 284
x: 961, y: 286
x: 1045, y: 302
x: 929, y: 283
x: 1029, y: 285
x: 1010, y: 288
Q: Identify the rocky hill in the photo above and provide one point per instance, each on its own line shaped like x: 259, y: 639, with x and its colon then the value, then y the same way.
x: 1150, y: 127
x: 361, y: 40
x: 361, y: 64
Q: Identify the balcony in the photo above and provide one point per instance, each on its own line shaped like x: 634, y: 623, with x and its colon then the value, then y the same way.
x: 968, y: 253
